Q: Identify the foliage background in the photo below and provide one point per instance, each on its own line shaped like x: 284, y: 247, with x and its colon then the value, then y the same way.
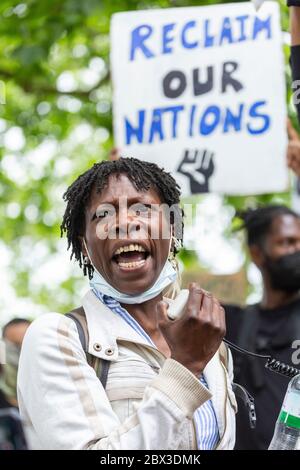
x: 55, y: 123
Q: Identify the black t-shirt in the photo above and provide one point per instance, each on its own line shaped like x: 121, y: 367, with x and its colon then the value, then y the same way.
x: 272, y: 333
x: 295, y: 63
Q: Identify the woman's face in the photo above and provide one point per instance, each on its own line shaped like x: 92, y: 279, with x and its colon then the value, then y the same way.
x: 127, y: 235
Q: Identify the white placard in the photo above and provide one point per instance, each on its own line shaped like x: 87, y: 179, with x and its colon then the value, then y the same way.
x: 201, y: 92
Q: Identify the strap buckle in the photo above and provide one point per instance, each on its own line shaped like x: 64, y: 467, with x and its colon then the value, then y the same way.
x: 248, y: 401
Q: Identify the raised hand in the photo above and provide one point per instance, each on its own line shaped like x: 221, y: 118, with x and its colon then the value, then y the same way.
x: 114, y: 154
x: 195, y: 337
x: 293, y: 151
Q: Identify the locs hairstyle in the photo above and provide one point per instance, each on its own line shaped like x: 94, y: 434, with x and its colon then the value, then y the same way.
x: 258, y: 222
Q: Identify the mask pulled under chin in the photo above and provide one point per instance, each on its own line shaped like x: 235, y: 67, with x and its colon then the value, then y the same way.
x: 284, y: 272
x: 166, y: 277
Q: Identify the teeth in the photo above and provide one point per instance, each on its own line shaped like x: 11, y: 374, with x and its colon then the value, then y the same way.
x: 133, y: 264
x: 131, y: 247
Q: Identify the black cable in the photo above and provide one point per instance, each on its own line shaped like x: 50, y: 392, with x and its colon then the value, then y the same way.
x: 281, y: 368
x: 271, y: 364
x: 244, y: 351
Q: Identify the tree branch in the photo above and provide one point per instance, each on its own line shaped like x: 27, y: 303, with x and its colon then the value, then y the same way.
x: 38, y: 88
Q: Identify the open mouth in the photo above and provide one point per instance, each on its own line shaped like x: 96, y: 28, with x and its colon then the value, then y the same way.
x: 131, y: 256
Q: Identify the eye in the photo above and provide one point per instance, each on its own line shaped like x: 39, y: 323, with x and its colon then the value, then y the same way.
x: 286, y: 242
x: 103, y: 213
x: 141, y: 209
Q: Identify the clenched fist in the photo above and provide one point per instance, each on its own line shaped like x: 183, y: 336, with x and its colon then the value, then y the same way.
x: 195, y: 337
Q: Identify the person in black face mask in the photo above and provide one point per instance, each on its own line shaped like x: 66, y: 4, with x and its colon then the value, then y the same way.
x: 284, y: 272
x: 271, y: 326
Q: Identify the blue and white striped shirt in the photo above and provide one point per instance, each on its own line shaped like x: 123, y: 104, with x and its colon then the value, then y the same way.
x: 205, y: 418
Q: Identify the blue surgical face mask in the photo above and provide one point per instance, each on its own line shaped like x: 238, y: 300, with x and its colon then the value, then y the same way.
x: 167, y: 276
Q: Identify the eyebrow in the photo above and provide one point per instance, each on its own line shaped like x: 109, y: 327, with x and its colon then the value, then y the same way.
x: 130, y: 202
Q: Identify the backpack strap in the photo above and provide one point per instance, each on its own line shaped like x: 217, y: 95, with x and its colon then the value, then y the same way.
x: 101, y: 366
x: 78, y: 316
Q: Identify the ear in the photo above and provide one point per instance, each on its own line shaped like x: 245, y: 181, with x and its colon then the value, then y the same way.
x: 257, y: 255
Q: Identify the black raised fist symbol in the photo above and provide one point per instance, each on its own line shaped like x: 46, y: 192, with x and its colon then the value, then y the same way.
x: 198, y: 166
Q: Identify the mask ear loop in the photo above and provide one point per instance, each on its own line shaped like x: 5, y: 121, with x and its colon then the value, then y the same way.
x: 88, y: 267
x: 174, y: 289
x: 170, y: 244
x: 88, y: 255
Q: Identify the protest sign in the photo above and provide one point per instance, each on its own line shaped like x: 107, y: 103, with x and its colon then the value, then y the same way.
x: 201, y: 92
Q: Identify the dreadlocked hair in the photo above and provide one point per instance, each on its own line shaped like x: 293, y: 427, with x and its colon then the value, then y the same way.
x: 257, y: 222
x: 143, y: 175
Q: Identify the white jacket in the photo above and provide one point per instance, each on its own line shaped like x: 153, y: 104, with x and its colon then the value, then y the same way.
x: 148, y: 403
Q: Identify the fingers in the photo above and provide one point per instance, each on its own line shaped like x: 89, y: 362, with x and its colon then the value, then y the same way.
x: 162, y: 313
x: 293, y: 156
x: 292, y: 133
x: 194, y: 301
x: 214, y: 313
x: 114, y: 154
x: 204, y: 306
x: 199, y: 300
x: 207, y: 305
x: 218, y: 317
x: 295, y: 167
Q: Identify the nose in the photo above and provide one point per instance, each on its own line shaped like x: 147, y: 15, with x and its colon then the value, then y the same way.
x: 126, y: 224
x: 122, y: 230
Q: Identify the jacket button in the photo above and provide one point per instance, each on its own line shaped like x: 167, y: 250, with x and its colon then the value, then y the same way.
x: 109, y: 352
x: 97, y: 347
